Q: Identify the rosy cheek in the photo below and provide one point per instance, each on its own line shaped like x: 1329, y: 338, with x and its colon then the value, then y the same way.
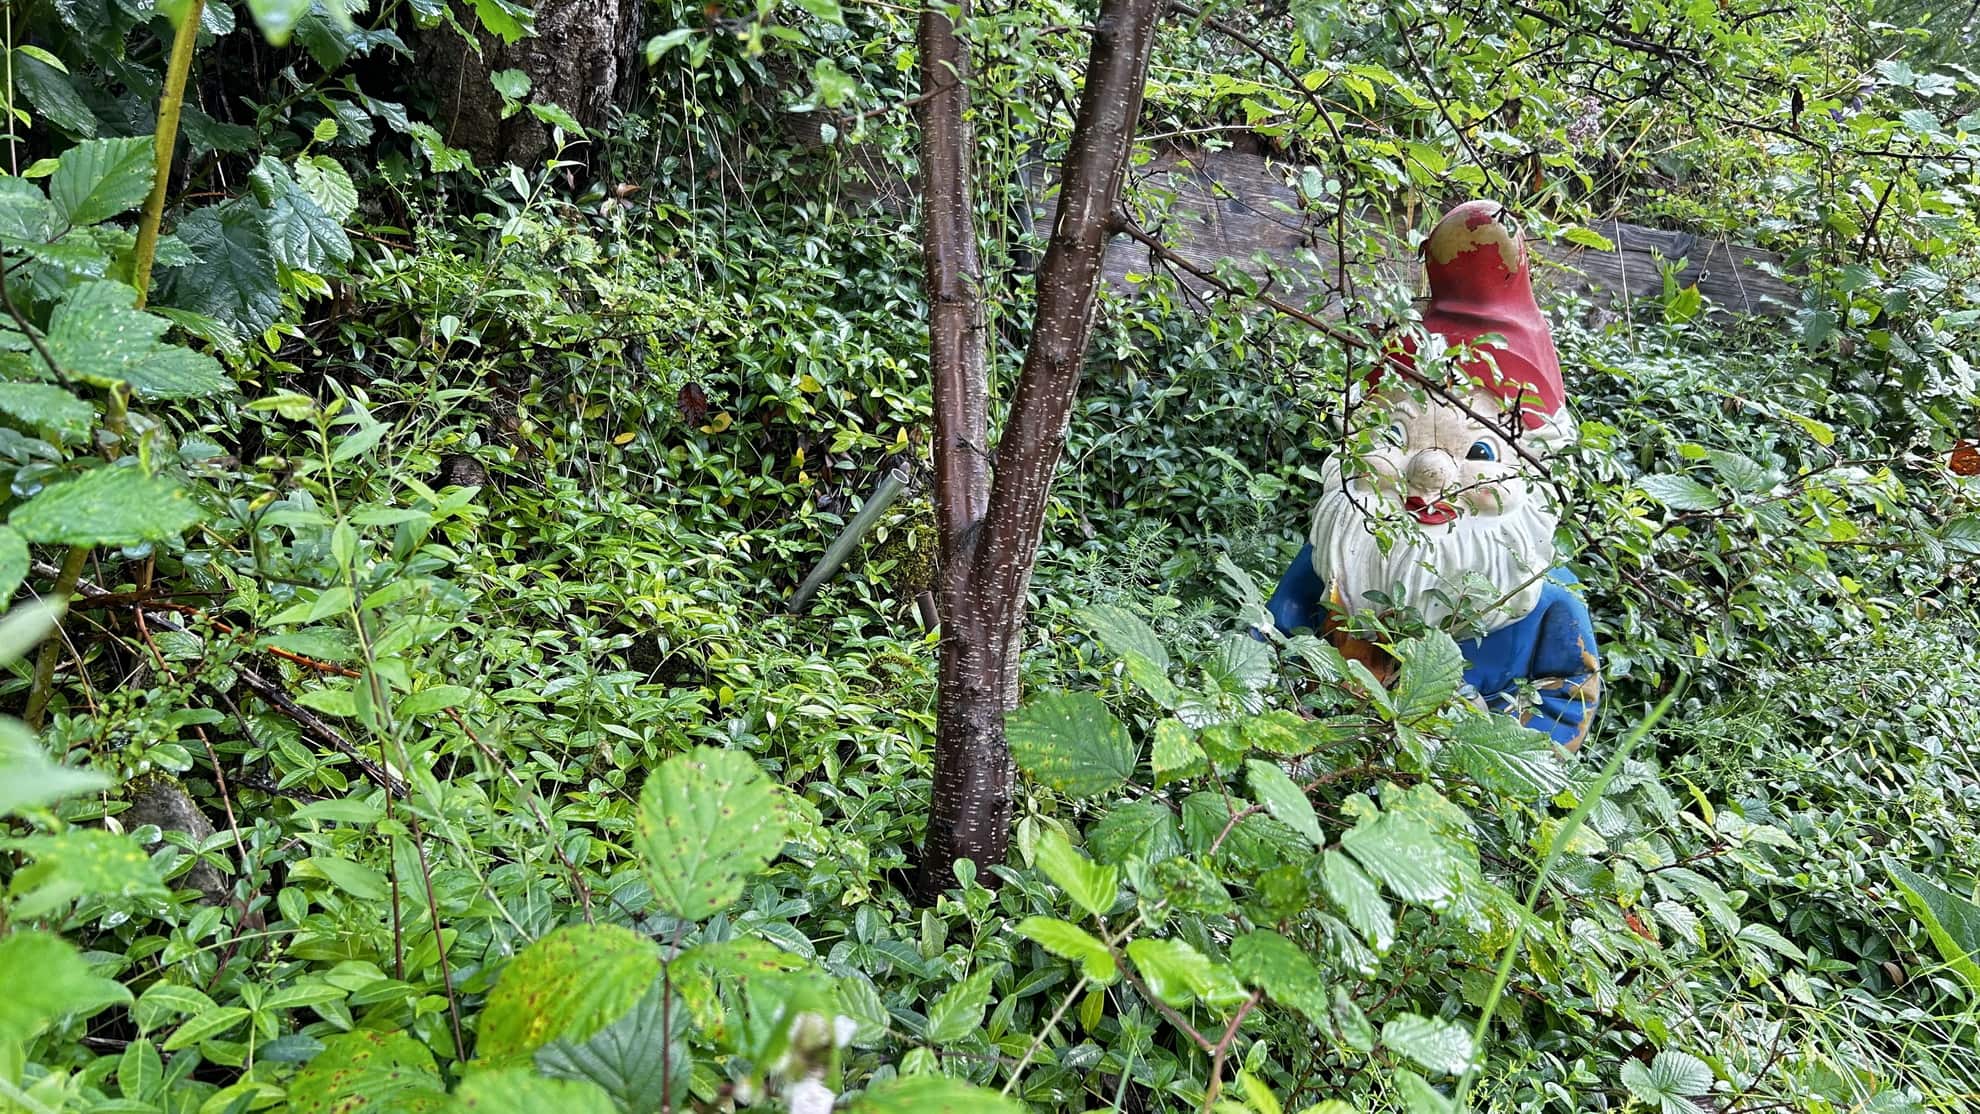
x: 1380, y: 471
x: 1493, y: 492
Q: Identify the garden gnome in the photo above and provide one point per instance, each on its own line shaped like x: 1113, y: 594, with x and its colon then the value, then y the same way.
x: 1445, y: 515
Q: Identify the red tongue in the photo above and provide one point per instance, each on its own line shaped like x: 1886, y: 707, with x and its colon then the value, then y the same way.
x: 1428, y: 513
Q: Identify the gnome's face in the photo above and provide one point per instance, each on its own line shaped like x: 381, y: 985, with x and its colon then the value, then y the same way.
x: 1442, y: 515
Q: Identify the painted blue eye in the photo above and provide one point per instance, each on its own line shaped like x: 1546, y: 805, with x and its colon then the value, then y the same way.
x: 1395, y: 435
x: 1482, y: 450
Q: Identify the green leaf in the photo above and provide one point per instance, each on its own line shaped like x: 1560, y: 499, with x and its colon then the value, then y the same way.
x: 25, y: 214
x: 1242, y: 666
x: 1092, y: 886
x: 1176, y: 754
x: 632, y: 1057
x: 1586, y: 237
x: 1178, y: 974
x: 1284, y: 800
x: 1671, y: 1081
x: 567, y: 986
x: 44, y: 975
x: 327, y: 183
x: 1432, y: 667
x: 112, y: 505
x: 1140, y: 650
x: 48, y: 408
x: 98, y: 335
x: 831, y: 85
x: 513, y: 84
x: 139, y: 1069
x: 1418, y: 1096
x: 80, y: 862
x: 210, y: 1023
x: 22, y: 629
x: 1679, y: 493
x: 277, y: 18
x: 1071, y: 742
x: 163, y: 1001
x: 1433, y: 1043
x: 1359, y: 901
x: 522, y: 1091
x: 1506, y: 757
x: 302, y: 236
x: 827, y: 10
x: 234, y: 280
x: 15, y: 562
x: 933, y: 1094
x: 1268, y: 960
x: 46, y: 85
x: 959, y: 1011
x: 1069, y: 941
x: 1950, y: 920
x: 367, y: 1072
x: 505, y: 20
x: 1136, y: 830
x: 1962, y: 535
x: 100, y: 178
x: 708, y: 820
x: 356, y: 879
x: 1406, y: 856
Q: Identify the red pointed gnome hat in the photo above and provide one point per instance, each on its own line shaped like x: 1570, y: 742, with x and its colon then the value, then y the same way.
x: 1480, y: 283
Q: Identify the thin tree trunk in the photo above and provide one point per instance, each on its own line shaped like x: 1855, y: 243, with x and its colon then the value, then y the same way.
x: 989, y: 526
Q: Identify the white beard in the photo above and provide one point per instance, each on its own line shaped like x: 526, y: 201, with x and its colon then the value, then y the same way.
x: 1495, y: 561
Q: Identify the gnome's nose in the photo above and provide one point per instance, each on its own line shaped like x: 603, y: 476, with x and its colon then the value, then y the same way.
x: 1431, y: 472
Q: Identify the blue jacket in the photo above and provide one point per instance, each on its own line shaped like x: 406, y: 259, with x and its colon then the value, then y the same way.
x: 1552, y: 647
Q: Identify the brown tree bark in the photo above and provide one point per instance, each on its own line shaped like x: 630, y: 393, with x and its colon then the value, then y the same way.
x: 989, y: 522
x: 577, y: 58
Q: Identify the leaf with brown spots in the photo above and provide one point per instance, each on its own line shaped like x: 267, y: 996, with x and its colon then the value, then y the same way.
x: 365, y: 1071
x: 566, y: 986
x: 708, y: 820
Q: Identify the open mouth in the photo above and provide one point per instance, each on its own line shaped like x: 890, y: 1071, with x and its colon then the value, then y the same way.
x: 1428, y: 513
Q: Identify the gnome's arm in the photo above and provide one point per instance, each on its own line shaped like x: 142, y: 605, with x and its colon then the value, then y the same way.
x: 1300, y: 600
x: 1564, y: 671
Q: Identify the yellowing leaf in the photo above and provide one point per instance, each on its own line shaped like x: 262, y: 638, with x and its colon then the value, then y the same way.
x: 718, y: 423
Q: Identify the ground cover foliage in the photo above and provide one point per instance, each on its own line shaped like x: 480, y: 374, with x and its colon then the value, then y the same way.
x: 430, y: 523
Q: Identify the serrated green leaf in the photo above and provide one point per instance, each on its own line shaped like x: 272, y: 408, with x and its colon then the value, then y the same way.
x: 566, y: 986
x: 46, y: 85
x: 234, y: 281
x: 1092, y: 886
x: 1071, y: 742
x: 1506, y: 757
x: 25, y: 214
x: 1176, y: 754
x: 328, y: 184
x: 1432, y: 667
x: 1136, y: 830
x: 1069, y: 941
x: 1406, y: 856
x: 113, y: 505
x: 1268, y: 960
x: 1284, y: 800
x: 1140, y: 650
x: 933, y: 1094
x: 1359, y: 900
x: 1670, y: 1082
x: 300, y: 234
x: 80, y: 862
x: 97, y: 335
x: 47, y: 407
x: 1179, y: 974
x: 708, y: 820
x: 277, y: 18
x: 100, y: 178
x: 1433, y: 1043
x: 368, y: 1072
x: 636, y: 1059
